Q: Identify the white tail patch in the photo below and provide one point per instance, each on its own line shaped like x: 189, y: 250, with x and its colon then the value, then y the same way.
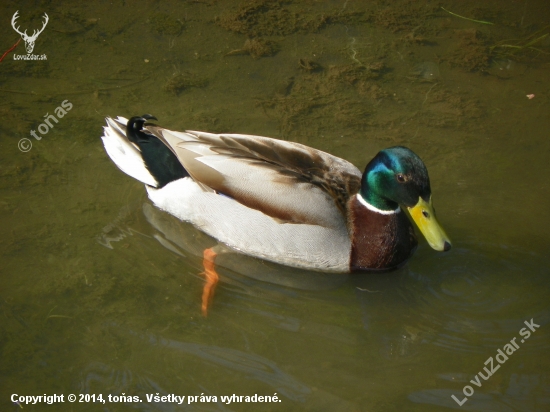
x: 124, y: 153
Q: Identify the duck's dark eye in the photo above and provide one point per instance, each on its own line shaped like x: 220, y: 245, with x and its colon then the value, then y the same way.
x: 400, y: 178
x: 426, y: 214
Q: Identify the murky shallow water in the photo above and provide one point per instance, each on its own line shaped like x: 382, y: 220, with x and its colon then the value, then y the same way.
x: 101, y: 292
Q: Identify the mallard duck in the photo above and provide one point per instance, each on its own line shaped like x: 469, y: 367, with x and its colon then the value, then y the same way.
x: 281, y: 201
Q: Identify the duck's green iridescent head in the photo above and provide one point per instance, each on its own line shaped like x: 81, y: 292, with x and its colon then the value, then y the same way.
x: 398, y: 177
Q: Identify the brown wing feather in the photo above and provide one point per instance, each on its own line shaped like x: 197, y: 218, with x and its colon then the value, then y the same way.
x: 294, y: 163
x: 339, y: 178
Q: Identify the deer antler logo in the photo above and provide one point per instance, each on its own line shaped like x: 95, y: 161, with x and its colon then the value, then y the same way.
x: 29, y: 40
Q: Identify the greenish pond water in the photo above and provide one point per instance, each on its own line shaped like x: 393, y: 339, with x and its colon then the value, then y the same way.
x: 100, y: 292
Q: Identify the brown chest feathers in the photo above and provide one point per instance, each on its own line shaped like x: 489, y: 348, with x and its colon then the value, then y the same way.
x: 378, y: 241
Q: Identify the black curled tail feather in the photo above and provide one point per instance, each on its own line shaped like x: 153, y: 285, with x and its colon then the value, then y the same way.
x: 161, y: 162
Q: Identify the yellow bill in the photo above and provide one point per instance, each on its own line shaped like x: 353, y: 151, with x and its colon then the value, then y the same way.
x: 424, y: 217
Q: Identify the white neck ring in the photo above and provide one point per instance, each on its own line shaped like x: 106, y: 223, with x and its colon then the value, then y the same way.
x: 375, y: 209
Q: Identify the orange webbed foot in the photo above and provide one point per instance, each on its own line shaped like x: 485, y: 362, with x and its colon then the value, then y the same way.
x: 211, y: 279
